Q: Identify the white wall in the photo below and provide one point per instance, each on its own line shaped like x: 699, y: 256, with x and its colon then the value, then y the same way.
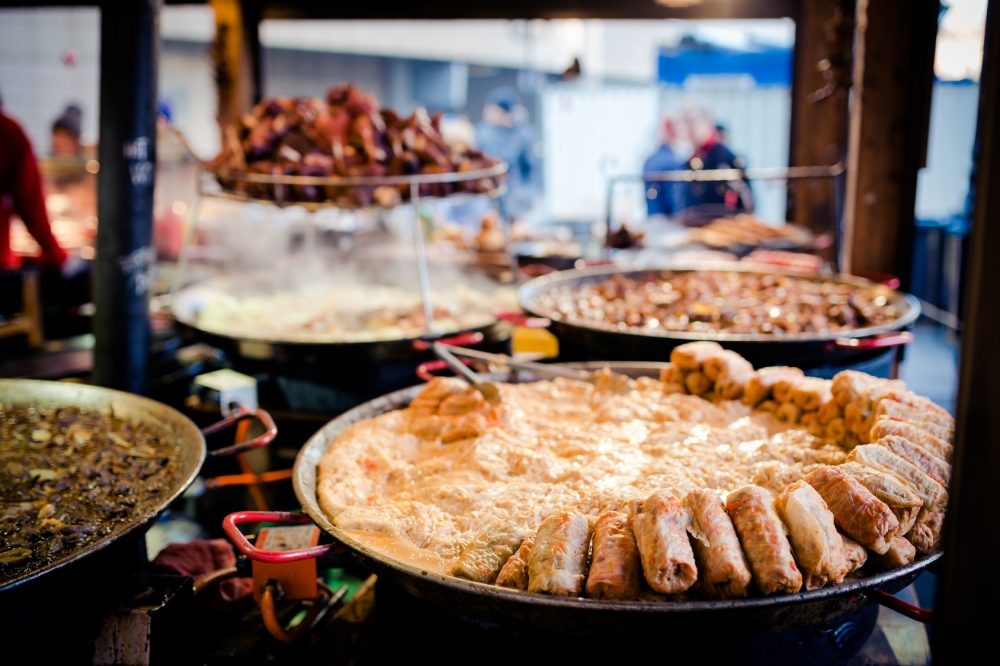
x: 36, y: 82
x: 591, y: 132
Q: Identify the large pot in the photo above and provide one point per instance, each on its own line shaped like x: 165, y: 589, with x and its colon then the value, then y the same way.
x: 690, y: 619
x: 802, y: 350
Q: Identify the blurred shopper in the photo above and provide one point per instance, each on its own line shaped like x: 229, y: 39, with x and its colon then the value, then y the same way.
x: 66, y: 133
x: 504, y: 132
x: 710, y: 153
x: 664, y: 197
x: 21, y: 194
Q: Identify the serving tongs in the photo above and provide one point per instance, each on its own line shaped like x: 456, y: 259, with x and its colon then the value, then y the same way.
x: 540, y: 370
x: 488, y: 390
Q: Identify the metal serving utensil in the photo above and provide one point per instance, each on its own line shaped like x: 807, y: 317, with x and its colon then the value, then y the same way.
x: 541, y: 370
x: 488, y: 390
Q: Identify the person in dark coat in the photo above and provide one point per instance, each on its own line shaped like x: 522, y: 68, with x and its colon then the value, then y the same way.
x: 710, y: 154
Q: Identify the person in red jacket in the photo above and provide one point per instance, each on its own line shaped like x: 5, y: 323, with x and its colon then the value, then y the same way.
x: 21, y: 194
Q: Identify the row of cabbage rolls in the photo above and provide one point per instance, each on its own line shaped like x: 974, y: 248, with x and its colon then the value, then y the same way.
x: 882, y: 506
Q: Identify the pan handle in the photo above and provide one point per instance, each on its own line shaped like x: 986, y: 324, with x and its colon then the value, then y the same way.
x: 901, y: 607
x: 270, y: 431
x: 230, y: 522
x: 427, y: 369
x: 521, y: 319
x: 461, y: 340
x: 883, y: 340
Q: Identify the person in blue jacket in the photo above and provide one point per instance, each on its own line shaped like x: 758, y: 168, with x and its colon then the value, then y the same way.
x: 664, y: 197
x: 505, y: 132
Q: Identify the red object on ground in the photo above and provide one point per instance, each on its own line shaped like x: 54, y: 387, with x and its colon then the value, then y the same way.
x: 199, y: 558
x: 21, y: 194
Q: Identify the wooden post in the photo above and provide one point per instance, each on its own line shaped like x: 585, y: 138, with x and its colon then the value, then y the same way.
x: 967, y: 592
x: 821, y: 78
x: 237, y: 57
x: 893, y: 76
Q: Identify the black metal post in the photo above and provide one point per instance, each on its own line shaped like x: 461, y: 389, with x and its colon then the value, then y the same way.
x: 130, y: 41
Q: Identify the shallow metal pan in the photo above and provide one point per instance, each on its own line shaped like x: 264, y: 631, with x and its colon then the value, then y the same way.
x: 563, y: 615
x: 804, y: 350
x: 189, y: 439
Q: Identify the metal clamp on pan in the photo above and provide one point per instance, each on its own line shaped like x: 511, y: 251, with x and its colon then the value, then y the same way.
x: 243, y: 415
x: 230, y: 522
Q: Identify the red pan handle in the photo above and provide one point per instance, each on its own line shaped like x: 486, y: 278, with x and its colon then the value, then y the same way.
x: 230, y: 522
x: 903, y: 608
x: 270, y: 431
x: 461, y: 340
x: 522, y: 319
x: 896, y: 339
x: 427, y: 369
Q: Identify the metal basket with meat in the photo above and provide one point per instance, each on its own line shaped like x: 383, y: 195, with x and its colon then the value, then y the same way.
x: 346, y: 151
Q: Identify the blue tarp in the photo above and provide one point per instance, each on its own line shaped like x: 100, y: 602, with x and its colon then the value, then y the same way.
x: 768, y: 67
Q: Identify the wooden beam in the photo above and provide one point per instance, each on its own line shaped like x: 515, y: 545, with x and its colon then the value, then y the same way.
x: 893, y: 75
x: 821, y: 80
x: 236, y: 53
x: 967, y: 591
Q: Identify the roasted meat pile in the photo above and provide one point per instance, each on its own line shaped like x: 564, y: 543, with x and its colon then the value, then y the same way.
x: 346, y: 135
x: 69, y: 477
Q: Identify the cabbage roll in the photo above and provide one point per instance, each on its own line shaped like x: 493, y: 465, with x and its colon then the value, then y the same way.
x: 889, y: 391
x: 933, y: 445
x: 782, y: 389
x: 557, y: 563
x: 758, y: 388
x: 729, y: 385
x: 482, y: 559
x: 672, y: 378
x: 926, y: 535
x: 931, y: 465
x: 818, y: 548
x: 848, y: 385
x: 836, y: 429
x: 690, y: 355
x: 903, y: 502
x: 864, y: 517
x: 930, y: 491
x: 811, y: 393
x: 897, y: 410
x: 697, y: 383
x: 788, y: 412
x: 900, y: 552
x: 829, y: 411
x: 515, y: 573
x: 614, y: 565
x: 762, y: 536
x: 723, y: 570
x: 661, y: 533
x: 855, y: 554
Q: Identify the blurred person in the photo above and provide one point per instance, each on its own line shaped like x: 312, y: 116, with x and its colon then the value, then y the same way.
x: 720, y: 131
x: 710, y: 153
x: 504, y: 132
x: 66, y: 133
x: 664, y: 197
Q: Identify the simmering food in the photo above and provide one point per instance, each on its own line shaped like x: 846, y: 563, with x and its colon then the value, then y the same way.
x: 727, y: 302
x: 325, y: 313
x: 635, y: 472
x: 69, y: 477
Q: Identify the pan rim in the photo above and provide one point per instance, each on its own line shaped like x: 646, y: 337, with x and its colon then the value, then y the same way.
x: 304, y: 481
x: 533, y: 288
x: 184, y: 480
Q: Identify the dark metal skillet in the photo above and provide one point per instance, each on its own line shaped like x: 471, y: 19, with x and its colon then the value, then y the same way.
x: 191, y: 452
x: 573, y: 616
x: 803, y: 350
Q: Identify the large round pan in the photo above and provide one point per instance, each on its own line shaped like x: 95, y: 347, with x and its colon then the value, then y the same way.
x: 564, y: 615
x: 189, y: 439
x: 356, y: 371
x: 803, y: 350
